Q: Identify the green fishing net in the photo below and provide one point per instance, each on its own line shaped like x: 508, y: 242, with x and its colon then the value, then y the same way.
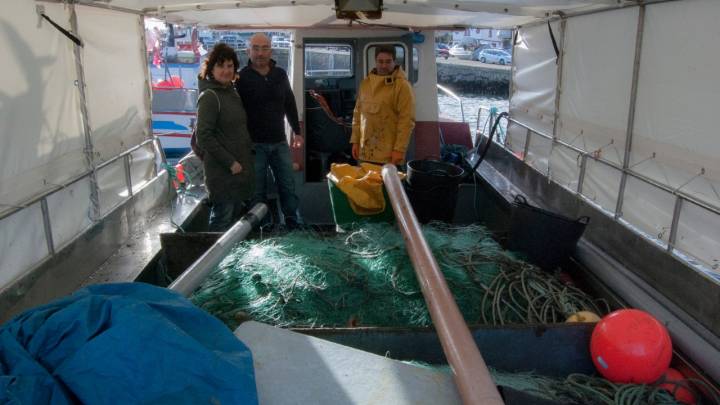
x: 364, y: 278
x: 583, y: 389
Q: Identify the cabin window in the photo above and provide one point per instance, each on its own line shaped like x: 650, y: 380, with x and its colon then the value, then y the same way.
x: 328, y: 60
x: 399, y: 57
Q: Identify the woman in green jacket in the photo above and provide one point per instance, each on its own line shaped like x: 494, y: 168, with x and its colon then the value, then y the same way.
x: 223, y: 136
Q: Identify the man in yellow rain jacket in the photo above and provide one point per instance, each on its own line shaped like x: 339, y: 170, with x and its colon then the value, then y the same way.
x: 384, y: 115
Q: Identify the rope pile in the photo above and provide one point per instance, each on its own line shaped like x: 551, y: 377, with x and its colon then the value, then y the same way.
x: 587, y: 390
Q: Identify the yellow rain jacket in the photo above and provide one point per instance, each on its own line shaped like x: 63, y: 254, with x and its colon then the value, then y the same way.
x: 362, y: 185
x: 384, y: 116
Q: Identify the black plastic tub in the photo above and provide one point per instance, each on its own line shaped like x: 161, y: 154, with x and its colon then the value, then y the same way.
x: 546, y: 238
x: 423, y: 175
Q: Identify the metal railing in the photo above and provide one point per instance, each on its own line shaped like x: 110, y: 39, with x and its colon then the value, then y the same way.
x: 455, y: 96
x: 42, y: 197
x: 487, y: 123
x: 680, y: 196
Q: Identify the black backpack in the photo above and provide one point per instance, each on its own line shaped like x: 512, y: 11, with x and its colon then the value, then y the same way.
x: 197, y: 150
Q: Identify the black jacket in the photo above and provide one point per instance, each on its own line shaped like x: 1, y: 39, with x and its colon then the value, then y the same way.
x: 267, y: 100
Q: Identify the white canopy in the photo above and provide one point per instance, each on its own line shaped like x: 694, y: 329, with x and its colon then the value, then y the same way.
x: 320, y: 13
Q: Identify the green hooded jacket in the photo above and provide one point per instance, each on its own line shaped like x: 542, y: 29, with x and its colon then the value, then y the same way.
x: 222, y: 133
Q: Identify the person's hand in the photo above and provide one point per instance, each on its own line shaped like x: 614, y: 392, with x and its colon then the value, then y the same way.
x: 356, y: 151
x: 396, y: 157
x: 297, y: 141
x: 236, y: 168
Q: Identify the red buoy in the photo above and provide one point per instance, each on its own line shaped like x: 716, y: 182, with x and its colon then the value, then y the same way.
x: 630, y: 346
x: 674, y: 382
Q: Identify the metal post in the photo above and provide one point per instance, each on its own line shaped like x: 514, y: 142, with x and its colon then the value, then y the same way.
x: 516, y: 33
x: 128, y: 174
x: 472, y: 377
x: 675, y: 221
x: 631, y: 113
x: 194, y: 276
x: 558, y: 84
x: 48, y: 226
x: 526, y: 148
x: 148, y: 80
x: 89, y: 150
x: 581, y: 176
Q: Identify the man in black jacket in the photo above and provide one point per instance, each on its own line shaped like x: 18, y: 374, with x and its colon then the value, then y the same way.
x: 268, y: 99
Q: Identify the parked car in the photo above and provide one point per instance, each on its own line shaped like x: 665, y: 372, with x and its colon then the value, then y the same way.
x: 442, y: 50
x: 459, y: 52
x: 471, y: 44
x: 233, y: 41
x: 492, y: 56
x: 281, y: 44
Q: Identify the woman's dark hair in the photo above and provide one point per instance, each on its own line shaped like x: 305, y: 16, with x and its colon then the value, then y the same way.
x: 389, y: 49
x: 220, y: 53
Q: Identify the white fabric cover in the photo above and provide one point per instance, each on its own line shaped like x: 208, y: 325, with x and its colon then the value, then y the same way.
x: 595, y: 101
x: 112, y: 185
x: 538, y: 152
x: 565, y: 166
x: 22, y: 243
x: 70, y: 212
x: 40, y: 125
x: 516, y: 136
x: 306, y: 13
x: 116, y: 90
x: 698, y: 234
x: 601, y: 184
x: 142, y: 166
x: 677, y: 103
x: 648, y: 208
x: 535, y: 77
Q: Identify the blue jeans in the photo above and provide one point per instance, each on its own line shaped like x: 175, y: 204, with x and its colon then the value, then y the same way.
x: 224, y: 214
x: 277, y: 157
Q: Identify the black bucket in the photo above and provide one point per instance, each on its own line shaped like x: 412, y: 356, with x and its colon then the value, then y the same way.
x: 548, y: 239
x: 423, y: 175
x: 435, y: 204
x: 432, y: 188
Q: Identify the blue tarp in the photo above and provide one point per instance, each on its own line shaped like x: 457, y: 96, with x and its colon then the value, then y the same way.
x: 125, y: 343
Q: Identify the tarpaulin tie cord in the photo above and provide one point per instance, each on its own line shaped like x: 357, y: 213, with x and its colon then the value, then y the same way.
x: 554, y: 42
x: 65, y: 32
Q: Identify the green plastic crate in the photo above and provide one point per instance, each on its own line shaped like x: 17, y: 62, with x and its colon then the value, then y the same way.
x: 343, y: 214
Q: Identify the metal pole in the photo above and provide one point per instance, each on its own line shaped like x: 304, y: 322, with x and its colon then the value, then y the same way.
x: 89, y: 148
x: 472, y: 377
x: 675, y: 221
x: 47, y: 226
x: 526, y: 147
x: 631, y: 112
x: 456, y: 97
x: 559, y: 77
x: 581, y: 175
x: 128, y: 174
x: 194, y: 276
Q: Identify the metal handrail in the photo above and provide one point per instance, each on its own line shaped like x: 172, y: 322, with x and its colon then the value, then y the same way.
x: 680, y: 195
x: 194, y: 276
x: 68, y: 183
x: 688, y: 197
x: 456, y: 97
x: 474, y: 382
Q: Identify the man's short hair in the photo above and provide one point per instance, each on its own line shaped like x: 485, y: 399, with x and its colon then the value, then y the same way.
x: 389, y: 49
